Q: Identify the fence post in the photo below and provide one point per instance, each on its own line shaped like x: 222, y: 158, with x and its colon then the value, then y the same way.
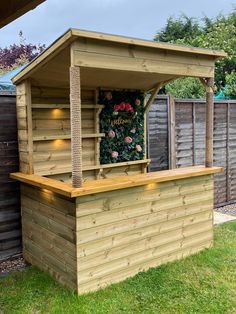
x: 171, y: 132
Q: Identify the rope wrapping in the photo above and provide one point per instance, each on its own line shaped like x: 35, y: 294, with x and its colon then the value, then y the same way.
x: 76, y: 135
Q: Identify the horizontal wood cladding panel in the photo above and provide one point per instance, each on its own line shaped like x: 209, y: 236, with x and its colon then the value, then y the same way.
x: 51, y: 131
x: 113, y: 49
x: 43, y: 93
x: 102, y: 238
x: 123, y: 249
x: 144, y: 256
x: 117, y: 56
x: 48, y: 228
x: 104, y: 281
x: 134, y: 228
x: 133, y: 64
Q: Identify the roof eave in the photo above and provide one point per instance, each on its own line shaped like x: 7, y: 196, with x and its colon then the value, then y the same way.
x: 71, y: 34
x: 47, y: 54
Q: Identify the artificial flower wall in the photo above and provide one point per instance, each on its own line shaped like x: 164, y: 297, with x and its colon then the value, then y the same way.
x: 122, y: 121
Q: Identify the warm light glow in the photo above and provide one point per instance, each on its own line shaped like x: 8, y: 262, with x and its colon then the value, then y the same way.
x: 152, y: 186
x: 58, y: 143
x: 48, y: 191
x: 57, y: 112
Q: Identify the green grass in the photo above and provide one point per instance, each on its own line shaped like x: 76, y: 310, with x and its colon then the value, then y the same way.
x: 204, y: 283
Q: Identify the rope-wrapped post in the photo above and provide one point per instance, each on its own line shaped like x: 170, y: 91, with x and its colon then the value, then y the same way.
x: 76, y: 135
x: 209, y: 121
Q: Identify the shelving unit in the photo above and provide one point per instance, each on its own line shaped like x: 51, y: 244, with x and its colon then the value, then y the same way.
x: 51, y: 138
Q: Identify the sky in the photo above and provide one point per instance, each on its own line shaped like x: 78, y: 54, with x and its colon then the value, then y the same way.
x: 134, y: 18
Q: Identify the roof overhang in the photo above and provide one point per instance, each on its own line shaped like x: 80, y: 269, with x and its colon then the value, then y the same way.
x: 117, y: 61
x: 12, y: 9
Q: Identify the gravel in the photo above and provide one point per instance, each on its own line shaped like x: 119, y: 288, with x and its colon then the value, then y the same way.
x: 227, y: 209
x: 12, y: 265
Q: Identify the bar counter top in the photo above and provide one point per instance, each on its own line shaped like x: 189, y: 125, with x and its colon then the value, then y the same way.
x: 116, y: 183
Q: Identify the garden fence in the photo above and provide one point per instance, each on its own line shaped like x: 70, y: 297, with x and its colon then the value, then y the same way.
x: 10, y: 227
x: 176, y: 137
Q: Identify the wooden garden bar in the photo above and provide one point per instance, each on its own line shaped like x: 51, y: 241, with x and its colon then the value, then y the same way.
x: 91, y: 214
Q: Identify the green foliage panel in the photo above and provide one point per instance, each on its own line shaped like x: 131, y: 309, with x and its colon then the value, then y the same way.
x: 122, y: 121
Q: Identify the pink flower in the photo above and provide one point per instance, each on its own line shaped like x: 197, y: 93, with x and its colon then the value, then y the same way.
x: 111, y: 133
x: 128, y: 140
x: 138, y: 148
x: 131, y: 109
x: 108, y: 95
x: 133, y: 130
x: 137, y: 102
x: 128, y: 107
x: 116, y: 107
x: 122, y: 106
x: 114, y: 154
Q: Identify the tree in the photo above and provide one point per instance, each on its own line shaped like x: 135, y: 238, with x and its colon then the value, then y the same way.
x: 218, y: 33
x: 184, y: 27
x: 230, y: 89
x: 185, y: 88
x: 18, y: 54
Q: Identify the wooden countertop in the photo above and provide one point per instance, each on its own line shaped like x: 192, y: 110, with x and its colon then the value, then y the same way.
x: 116, y: 183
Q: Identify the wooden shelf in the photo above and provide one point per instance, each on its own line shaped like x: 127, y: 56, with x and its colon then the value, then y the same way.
x: 93, y: 135
x: 66, y: 106
x: 50, y: 106
x: 48, y: 135
x: 93, y: 167
x: 118, y: 164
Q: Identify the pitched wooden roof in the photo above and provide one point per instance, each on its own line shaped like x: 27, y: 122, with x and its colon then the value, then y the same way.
x: 62, y: 43
x: 12, y: 9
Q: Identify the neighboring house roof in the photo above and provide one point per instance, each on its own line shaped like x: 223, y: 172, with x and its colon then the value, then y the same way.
x: 73, y: 34
x: 5, y: 79
x: 12, y: 9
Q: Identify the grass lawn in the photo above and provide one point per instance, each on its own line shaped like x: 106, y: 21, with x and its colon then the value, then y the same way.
x: 205, y: 283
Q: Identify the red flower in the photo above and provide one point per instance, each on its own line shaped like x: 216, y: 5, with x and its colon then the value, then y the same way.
x: 116, y: 107
x: 128, y: 107
x: 122, y: 106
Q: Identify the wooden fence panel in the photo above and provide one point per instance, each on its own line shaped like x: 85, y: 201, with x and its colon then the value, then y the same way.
x: 10, y: 226
x: 186, y: 146
x: 157, y: 130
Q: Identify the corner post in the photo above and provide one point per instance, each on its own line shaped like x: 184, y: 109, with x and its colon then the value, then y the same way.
x: 75, y: 120
x: 209, y: 84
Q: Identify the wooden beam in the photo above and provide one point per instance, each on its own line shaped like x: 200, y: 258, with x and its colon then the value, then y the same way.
x: 155, y: 91
x: 171, y: 132
x: 209, y: 84
x: 152, y: 97
x: 76, y: 133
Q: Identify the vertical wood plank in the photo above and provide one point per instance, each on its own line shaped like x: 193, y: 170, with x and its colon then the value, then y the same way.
x: 28, y: 100
x: 24, y: 117
x: 171, y: 132
x: 193, y: 132
x: 228, y: 176
x: 209, y: 121
x: 144, y: 166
